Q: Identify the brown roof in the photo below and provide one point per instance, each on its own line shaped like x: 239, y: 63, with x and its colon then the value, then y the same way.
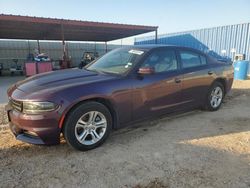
x: 37, y: 28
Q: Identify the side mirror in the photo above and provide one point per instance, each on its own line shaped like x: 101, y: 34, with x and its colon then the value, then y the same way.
x: 146, y: 70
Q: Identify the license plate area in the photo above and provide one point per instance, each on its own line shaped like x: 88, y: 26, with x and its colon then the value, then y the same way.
x: 8, y: 114
x: 8, y: 109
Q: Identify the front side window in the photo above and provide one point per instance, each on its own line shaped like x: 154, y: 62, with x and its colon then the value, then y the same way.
x: 118, y: 61
x: 162, y: 60
x: 191, y: 59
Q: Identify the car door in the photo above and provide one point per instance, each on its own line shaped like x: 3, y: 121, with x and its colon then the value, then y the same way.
x: 197, y: 77
x: 157, y: 93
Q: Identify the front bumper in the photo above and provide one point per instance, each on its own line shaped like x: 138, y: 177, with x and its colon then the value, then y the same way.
x: 34, y: 129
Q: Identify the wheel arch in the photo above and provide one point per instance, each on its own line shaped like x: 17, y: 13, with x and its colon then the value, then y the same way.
x: 223, y: 82
x: 104, y: 101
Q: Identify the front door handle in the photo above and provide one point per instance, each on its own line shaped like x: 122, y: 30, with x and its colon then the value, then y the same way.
x: 210, y: 72
x: 177, y: 80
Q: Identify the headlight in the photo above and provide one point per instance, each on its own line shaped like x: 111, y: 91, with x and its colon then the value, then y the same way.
x: 38, y: 107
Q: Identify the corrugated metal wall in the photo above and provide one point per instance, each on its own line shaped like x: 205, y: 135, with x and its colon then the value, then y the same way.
x: 213, y: 40
x: 19, y: 49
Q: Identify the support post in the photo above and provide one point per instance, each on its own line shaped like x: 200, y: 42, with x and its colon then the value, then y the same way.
x: 38, y: 46
x: 63, y: 43
x: 29, y: 46
x: 156, y: 36
x: 106, y: 47
x: 95, y: 47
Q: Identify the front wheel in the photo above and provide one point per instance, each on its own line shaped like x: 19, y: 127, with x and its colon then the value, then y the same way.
x: 215, y: 97
x: 87, y: 126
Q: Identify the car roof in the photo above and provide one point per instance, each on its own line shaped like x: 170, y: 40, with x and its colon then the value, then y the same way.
x: 149, y: 47
x: 152, y: 46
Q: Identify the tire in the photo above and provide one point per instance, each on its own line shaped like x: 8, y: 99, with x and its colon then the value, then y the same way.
x: 214, y: 97
x: 87, y: 126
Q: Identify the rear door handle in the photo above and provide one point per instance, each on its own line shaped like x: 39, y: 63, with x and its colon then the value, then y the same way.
x: 177, y: 80
x: 210, y: 72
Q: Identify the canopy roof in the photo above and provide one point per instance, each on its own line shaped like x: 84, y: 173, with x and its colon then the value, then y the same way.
x: 37, y: 28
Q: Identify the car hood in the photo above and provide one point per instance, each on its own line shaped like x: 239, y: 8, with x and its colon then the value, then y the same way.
x: 61, y: 78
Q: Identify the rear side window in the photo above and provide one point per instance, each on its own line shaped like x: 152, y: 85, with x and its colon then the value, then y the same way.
x: 203, y: 60
x: 191, y: 59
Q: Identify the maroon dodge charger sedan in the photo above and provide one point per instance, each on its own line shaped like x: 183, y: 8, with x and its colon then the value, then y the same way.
x: 124, y: 86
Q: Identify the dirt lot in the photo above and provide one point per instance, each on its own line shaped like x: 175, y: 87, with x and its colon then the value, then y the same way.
x: 196, y: 149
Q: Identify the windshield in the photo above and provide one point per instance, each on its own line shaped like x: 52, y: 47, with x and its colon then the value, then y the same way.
x: 118, y: 61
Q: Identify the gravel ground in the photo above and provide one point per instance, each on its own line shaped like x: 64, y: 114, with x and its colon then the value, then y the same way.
x: 195, y: 149
x: 3, y: 117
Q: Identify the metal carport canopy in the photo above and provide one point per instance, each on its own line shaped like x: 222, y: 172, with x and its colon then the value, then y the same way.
x: 38, y: 28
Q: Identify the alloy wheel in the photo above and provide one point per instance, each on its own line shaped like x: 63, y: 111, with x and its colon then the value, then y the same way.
x: 91, y: 127
x: 216, y: 97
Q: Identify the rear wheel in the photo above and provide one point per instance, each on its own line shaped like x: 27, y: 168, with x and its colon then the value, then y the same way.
x: 215, y: 97
x: 87, y: 126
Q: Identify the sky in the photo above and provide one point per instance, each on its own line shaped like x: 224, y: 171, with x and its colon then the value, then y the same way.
x: 169, y: 15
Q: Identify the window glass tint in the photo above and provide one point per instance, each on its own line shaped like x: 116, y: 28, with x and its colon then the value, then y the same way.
x: 118, y: 61
x: 162, y: 61
x: 203, y: 60
x: 190, y: 59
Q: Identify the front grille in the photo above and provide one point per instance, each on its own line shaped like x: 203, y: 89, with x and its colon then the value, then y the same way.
x: 17, y: 105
